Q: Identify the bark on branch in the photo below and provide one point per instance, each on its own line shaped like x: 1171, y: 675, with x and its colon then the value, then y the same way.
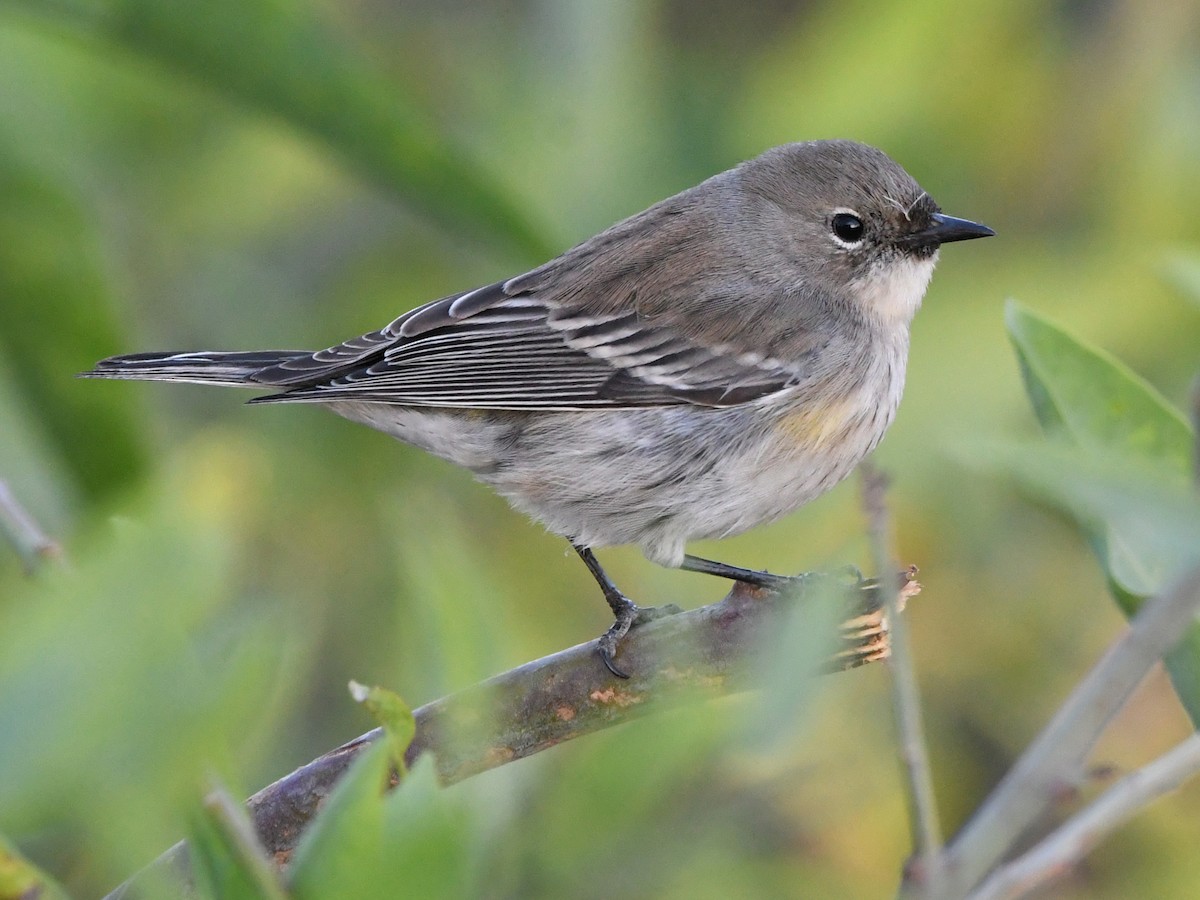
x: 702, y: 653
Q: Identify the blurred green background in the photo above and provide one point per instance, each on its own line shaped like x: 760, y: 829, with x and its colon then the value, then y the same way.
x: 268, y: 173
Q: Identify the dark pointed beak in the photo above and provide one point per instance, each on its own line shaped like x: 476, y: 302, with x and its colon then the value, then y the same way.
x: 946, y: 229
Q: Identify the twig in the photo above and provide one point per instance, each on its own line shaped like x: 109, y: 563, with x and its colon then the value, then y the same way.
x: 23, y: 532
x: 922, y: 873
x: 1061, y: 851
x: 701, y: 653
x: 1055, y: 759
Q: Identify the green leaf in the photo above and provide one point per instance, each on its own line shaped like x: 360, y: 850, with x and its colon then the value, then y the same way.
x: 1086, y: 398
x: 1085, y: 395
x: 286, y: 60
x: 414, y: 841
x: 1158, y: 523
x: 393, y: 715
x: 431, y: 839
x: 342, y: 849
x: 227, y: 858
x: 1128, y: 480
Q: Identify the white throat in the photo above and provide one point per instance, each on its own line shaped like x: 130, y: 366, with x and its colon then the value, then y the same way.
x: 892, y: 290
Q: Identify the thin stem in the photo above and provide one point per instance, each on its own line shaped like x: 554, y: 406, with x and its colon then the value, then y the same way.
x: 20, y: 529
x: 924, y: 869
x: 1055, y: 758
x: 1061, y: 851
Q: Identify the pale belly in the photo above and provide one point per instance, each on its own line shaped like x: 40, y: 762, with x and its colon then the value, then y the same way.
x: 655, y: 477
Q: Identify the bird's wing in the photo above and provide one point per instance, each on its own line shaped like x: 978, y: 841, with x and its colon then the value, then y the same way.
x: 647, y: 313
x: 518, y: 352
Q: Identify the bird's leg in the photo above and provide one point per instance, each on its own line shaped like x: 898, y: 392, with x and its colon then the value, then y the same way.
x: 735, y: 573
x: 626, y: 613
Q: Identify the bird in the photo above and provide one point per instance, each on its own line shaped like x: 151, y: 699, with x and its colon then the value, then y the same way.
x: 703, y: 367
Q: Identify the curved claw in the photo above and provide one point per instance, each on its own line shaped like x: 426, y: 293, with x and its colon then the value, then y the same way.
x: 610, y: 664
x: 611, y: 639
x: 628, y: 617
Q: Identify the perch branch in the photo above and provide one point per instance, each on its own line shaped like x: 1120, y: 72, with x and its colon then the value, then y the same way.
x: 693, y: 655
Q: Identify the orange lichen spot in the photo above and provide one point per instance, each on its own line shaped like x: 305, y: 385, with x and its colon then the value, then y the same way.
x: 612, y: 697
x: 565, y: 713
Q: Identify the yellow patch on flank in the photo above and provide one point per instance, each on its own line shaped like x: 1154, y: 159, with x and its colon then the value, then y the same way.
x: 814, y: 425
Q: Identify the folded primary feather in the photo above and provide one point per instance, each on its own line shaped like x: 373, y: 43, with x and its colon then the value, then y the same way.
x: 514, y: 352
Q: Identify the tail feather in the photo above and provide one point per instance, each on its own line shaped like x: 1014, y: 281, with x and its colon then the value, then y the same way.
x: 231, y: 369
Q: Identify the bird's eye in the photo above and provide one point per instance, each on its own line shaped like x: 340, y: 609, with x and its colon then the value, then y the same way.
x: 847, y: 228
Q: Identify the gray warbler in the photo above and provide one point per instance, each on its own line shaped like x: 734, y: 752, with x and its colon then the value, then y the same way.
x: 703, y: 367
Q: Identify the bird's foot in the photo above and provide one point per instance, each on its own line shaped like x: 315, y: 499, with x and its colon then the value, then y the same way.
x: 777, y: 584
x: 627, y: 615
